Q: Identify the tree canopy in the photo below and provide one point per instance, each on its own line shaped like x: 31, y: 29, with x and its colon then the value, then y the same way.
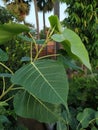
x: 83, y: 19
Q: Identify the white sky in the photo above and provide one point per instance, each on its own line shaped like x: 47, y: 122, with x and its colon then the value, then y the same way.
x: 31, y: 17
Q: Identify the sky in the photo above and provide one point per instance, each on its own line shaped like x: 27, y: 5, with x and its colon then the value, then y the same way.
x: 31, y: 17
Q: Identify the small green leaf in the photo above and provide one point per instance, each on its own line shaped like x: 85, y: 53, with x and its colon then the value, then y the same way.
x: 25, y: 38
x: 3, y: 55
x: 85, y: 117
x: 4, y: 119
x: 3, y: 104
x: 40, y: 41
x: 5, y: 75
x: 25, y: 58
x: 29, y: 106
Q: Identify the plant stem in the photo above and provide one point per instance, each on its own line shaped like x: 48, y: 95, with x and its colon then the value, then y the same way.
x: 45, y: 43
x: 5, y: 92
x: 31, y: 52
x: 36, y: 47
x: 3, y: 85
x: 9, y: 98
x: 48, y: 56
x: 7, y: 68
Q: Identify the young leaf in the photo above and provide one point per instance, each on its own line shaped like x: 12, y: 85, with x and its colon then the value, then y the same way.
x: 7, y: 31
x: 46, y: 79
x: 54, y: 22
x: 28, y: 106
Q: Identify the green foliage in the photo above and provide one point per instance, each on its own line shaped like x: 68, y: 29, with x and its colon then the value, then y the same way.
x: 7, y: 31
x: 87, y: 117
x: 82, y: 18
x: 5, y: 16
x: 83, y: 92
x: 42, y: 84
x: 71, y: 42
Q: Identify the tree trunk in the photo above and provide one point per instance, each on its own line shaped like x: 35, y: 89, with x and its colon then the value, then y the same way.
x: 57, y: 12
x: 37, y: 20
x: 56, y: 8
x: 44, y: 24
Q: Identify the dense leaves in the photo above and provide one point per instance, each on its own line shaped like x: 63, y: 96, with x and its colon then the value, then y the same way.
x: 82, y: 18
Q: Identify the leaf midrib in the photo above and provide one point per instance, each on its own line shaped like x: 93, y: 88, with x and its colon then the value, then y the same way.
x: 47, y: 82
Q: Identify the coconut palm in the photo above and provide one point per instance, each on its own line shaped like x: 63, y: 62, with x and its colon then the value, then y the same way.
x: 44, y: 6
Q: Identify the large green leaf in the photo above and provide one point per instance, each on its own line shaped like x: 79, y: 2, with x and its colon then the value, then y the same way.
x: 70, y: 40
x: 3, y: 55
x: 27, y: 106
x: 46, y: 79
x: 73, y: 45
x: 7, y: 31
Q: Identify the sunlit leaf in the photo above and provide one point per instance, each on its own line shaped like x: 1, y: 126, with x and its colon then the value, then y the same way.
x: 73, y: 45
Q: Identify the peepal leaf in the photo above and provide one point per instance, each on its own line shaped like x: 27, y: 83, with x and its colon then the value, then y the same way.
x: 28, y: 106
x: 70, y: 40
x: 7, y: 31
x: 46, y: 79
x: 73, y: 45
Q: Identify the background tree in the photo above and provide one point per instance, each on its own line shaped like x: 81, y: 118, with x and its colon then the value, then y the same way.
x: 44, y: 6
x: 5, y: 16
x: 21, y: 8
x: 83, y: 19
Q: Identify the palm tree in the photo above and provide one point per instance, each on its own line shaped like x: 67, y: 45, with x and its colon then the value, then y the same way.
x: 56, y: 8
x: 20, y: 8
x: 44, y: 6
x: 37, y: 20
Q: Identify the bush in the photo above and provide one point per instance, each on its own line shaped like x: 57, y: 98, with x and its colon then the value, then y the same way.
x: 83, y: 92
